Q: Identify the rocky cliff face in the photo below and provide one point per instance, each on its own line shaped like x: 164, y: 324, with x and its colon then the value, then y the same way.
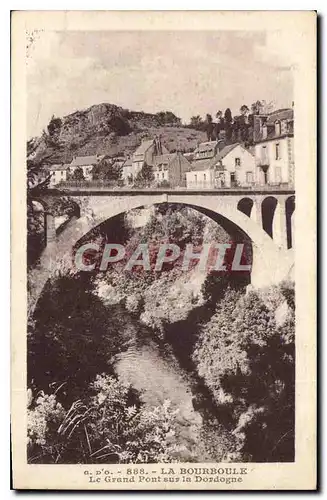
x: 110, y: 130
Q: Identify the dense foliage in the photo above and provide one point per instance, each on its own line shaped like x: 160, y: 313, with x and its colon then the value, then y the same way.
x: 234, y: 346
x: 246, y: 357
x: 112, y: 426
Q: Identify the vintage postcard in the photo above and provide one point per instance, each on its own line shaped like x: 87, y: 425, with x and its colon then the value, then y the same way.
x: 163, y: 250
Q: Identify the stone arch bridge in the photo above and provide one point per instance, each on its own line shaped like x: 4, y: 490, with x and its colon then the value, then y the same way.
x: 263, y: 216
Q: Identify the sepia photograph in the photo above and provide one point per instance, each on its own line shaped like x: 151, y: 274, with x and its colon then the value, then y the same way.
x: 161, y: 293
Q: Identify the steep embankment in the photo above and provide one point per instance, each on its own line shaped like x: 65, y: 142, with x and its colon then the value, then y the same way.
x: 110, y: 130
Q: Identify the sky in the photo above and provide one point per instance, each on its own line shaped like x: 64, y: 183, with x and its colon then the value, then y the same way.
x: 187, y: 72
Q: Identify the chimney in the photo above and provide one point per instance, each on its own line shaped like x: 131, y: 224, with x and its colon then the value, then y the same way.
x: 159, y: 145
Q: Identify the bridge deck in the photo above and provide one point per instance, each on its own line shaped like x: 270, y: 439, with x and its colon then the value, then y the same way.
x: 107, y: 191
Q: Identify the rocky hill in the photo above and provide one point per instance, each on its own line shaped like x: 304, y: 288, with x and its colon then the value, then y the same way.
x: 110, y: 130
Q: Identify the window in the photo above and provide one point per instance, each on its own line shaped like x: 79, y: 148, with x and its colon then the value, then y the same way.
x: 232, y: 179
x: 249, y: 177
x: 277, y: 128
x: 264, y: 157
x: 195, y: 178
x: 204, y: 177
x: 278, y: 174
x: 237, y: 162
x: 264, y: 132
x: 277, y: 150
x: 163, y: 175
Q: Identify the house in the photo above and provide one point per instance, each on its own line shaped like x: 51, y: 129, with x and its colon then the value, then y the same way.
x: 232, y: 166
x: 273, y: 142
x: 144, y: 154
x: 86, y: 163
x: 58, y: 173
x: 171, y: 168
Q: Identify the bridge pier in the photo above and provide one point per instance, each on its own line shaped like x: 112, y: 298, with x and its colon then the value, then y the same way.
x: 280, y: 225
x: 50, y: 228
x: 256, y: 212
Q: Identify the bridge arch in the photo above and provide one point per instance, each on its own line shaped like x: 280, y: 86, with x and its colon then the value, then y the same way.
x: 290, y: 209
x: 245, y: 205
x: 268, y: 209
x: 269, y: 264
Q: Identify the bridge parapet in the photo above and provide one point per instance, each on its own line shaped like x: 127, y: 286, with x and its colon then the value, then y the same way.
x: 102, y: 186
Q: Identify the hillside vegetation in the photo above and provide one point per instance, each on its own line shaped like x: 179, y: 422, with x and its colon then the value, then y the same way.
x: 109, y: 130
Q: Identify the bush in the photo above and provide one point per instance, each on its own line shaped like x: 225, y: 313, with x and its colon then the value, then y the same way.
x: 247, y: 362
x: 111, y: 427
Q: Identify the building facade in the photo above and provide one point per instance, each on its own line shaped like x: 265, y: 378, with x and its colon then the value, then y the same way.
x: 58, y: 173
x: 233, y: 166
x: 274, y: 147
x: 145, y: 154
x: 171, y: 169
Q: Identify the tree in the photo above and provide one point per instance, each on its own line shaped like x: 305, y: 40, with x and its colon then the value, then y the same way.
x: 78, y: 174
x: 209, y: 127
x: 247, y: 361
x: 54, y: 126
x: 220, y: 123
x: 228, y: 119
x: 228, y: 116
x: 262, y: 107
x: 244, y: 110
x: 256, y: 107
x: 168, y: 118
x: 145, y: 176
x: 107, y: 170
x: 196, y: 122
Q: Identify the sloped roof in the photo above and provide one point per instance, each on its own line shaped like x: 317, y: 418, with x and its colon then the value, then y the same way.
x: 206, y: 146
x: 143, y: 147
x: 199, y: 165
x: 280, y: 114
x: 163, y: 159
x: 128, y: 162
x: 206, y: 164
x: 224, y: 152
x: 85, y: 160
x: 57, y: 166
x: 188, y: 156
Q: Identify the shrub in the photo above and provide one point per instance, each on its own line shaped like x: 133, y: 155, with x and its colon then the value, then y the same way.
x: 247, y: 362
x: 111, y: 427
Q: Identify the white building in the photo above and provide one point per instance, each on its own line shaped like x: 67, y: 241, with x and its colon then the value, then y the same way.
x: 86, y: 163
x: 58, y: 173
x: 127, y: 171
x: 273, y: 137
x: 233, y: 166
